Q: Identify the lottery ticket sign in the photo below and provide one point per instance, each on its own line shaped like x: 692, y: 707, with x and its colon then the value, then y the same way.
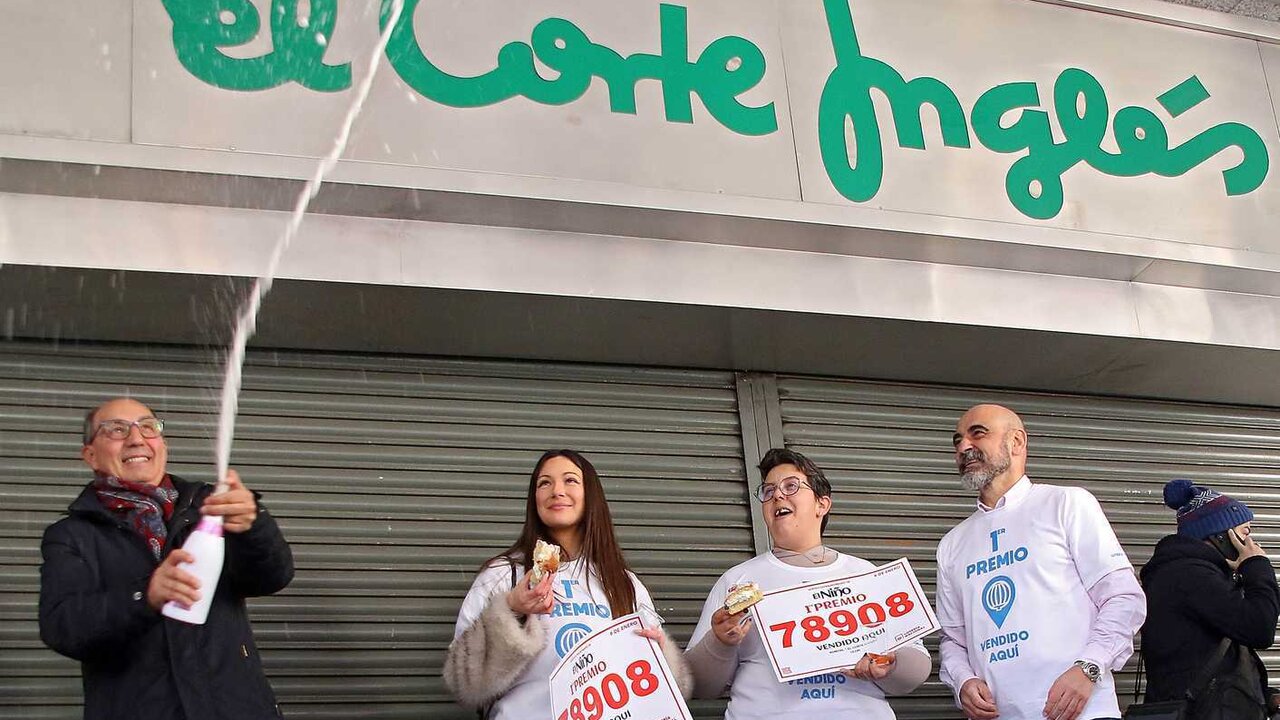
x: 828, y: 626
x: 615, y: 674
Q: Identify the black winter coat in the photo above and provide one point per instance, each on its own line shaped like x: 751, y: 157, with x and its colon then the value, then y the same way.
x: 1193, y: 603
x: 135, y: 663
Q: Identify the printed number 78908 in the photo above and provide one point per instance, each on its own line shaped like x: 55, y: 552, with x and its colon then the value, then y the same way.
x: 613, y: 692
x: 816, y: 628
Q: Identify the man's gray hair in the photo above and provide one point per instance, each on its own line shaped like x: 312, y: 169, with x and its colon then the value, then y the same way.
x: 89, y: 428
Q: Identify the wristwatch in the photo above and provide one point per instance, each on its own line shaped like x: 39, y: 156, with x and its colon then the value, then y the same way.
x: 1090, y: 670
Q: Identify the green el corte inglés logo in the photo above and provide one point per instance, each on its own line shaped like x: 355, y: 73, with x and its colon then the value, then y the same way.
x: 729, y: 67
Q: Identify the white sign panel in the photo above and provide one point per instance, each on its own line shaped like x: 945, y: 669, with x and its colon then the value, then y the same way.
x: 1008, y: 111
x: 1035, y: 114
x: 615, y: 673
x: 824, y: 627
x: 680, y: 96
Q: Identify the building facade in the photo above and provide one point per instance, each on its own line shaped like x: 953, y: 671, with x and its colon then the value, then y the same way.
x: 672, y: 235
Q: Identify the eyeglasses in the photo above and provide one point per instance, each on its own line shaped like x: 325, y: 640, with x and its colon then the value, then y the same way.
x: 148, y: 427
x: 786, y: 488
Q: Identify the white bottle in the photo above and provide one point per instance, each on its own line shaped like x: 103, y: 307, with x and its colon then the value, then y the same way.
x: 207, y: 545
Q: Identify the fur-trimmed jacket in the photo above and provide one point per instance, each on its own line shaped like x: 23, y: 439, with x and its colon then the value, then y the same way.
x: 487, y: 658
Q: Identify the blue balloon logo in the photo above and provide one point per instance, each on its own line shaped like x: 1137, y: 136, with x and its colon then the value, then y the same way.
x: 569, y: 636
x: 997, y: 598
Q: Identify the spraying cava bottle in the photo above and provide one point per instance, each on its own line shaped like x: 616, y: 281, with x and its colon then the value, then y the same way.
x: 208, y: 546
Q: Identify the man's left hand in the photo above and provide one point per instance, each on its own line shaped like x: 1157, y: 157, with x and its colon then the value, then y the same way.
x: 1068, y: 695
x: 236, y: 506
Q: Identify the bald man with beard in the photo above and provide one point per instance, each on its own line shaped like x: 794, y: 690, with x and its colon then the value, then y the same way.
x: 1037, y: 600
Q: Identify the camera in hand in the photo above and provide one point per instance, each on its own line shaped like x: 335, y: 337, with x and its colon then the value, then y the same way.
x: 1222, y: 541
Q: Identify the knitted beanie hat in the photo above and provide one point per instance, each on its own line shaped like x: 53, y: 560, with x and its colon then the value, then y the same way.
x: 1203, y: 512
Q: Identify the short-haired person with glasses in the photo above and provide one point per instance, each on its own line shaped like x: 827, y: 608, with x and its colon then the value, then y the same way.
x: 113, y: 562
x: 726, y: 653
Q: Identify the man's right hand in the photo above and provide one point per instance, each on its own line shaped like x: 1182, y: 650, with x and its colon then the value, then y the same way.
x: 977, y: 701
x: 536, y: 600
x: 730, y: 629
x: 1246, y: 547
x: 170, y: 582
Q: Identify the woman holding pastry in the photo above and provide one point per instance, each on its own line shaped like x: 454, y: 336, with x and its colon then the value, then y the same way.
x: 725, y: 651
x: 562, y: 579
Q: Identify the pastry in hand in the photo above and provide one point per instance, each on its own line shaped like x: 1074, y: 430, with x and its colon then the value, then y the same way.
x: 546, y: 560
x: 742, y: 596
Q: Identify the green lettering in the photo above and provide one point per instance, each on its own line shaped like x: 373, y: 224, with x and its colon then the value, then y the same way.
x: 202, y: 27
x: 563, y: 47
x: 846, y: 97
x: 1183, y: 96
x: 1009, y: 118
x: 1034, y: 180
x: 1241, y: 179
x: 1143, y: 142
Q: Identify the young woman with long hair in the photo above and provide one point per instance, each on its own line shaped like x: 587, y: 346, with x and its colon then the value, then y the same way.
x: 510, y: 636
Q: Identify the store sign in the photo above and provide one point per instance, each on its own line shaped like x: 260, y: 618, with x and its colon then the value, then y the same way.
x: 724, y: 69
x: 1011, y: 118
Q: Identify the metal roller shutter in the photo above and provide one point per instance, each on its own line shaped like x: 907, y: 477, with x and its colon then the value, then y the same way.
x: 887, y: 450
x: 393, y: 478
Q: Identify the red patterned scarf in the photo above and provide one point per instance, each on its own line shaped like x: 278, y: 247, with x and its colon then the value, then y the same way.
x: 145, y: 507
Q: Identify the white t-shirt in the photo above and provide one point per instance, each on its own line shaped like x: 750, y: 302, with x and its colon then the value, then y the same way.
x: 580, y: 609
x: 1013, y: 582
x: 756, y: 692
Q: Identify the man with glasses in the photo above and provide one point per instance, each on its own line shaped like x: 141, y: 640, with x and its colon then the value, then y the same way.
x: 113, y: 562
x: 1037, y: 600
x: 726, y: 652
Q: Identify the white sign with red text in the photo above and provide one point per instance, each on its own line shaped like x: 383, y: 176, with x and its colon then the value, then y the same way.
x: 614, y: 674
x: 828, y: 626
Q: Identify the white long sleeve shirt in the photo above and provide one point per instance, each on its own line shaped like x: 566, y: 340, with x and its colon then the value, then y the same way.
x: 1028, y: 587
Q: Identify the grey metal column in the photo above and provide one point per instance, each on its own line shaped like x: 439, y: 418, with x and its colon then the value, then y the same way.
x: 760, y: 414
